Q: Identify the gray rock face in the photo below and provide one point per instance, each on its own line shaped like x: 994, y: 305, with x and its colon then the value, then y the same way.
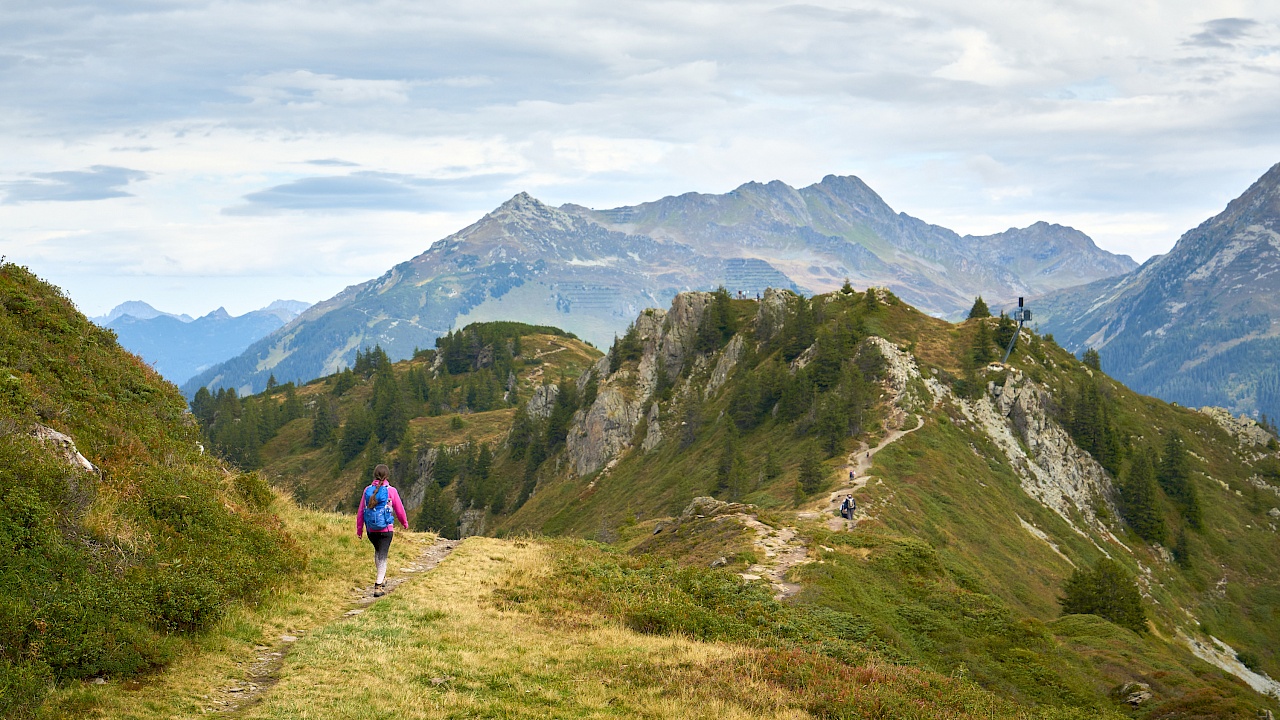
x: 543, y: 401
x: 603, y: 431
x: 652, y: 436
x: 772, y: 313
x: 728, y: 359
x: 1056, y: 472
x: 424, y: 475
x: 680, y: 329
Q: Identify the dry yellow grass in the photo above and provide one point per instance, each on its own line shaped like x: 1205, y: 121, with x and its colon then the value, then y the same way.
x: 440, y: 648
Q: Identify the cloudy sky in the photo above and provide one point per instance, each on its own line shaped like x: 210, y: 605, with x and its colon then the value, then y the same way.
x: 196, y: 154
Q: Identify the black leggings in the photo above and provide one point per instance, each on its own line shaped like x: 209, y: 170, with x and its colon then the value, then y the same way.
x: 381, y: 547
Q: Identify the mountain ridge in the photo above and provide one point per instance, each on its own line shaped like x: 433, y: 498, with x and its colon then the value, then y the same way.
x: 179, y: 349
x: 591, y: 271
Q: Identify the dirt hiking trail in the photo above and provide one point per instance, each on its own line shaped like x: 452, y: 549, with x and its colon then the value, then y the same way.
x: 239, y: 694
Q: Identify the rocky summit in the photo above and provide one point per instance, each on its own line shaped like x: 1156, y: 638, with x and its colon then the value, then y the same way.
x: 591, y: 271
x: 1199, y: 325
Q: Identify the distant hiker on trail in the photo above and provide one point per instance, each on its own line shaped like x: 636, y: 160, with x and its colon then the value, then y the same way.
x: 848, y: 507
x: 380, y: 508
x: 850, y: 476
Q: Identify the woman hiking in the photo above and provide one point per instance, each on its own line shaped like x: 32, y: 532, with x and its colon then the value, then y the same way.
x: 380, y: 508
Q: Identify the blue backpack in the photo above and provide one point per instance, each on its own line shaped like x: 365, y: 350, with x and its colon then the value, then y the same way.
x: 378, y: 517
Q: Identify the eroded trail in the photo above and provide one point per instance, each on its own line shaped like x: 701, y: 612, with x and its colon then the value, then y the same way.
x: 260, y: 676
x: 858, y: 466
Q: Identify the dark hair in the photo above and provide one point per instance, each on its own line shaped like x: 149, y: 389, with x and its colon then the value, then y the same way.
x: 382, y: 473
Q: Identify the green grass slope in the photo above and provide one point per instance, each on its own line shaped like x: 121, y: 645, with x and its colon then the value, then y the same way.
x: 102, y: 573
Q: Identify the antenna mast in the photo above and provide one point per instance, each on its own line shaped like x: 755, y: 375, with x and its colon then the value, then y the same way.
x: 1022, y: 315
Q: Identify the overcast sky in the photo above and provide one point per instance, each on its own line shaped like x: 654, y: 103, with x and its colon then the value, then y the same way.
x: 198, y: 154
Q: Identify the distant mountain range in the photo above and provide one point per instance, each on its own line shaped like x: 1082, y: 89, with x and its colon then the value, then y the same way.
x: 179, y: 346
x: 591, y: 271
x: 1199, y: 325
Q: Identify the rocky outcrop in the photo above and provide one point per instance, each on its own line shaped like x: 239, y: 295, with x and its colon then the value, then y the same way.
x: 424, y: 475
x: 772, y: 313
x: 652, y: 436
x: 728, y: 359
x: 603, y: 431
x: 64, y: 446
x: 680, y: 329
x: 1244, y: 429
x: 1052, y: 469
x: 1015, y: 415
x: 543, y: 401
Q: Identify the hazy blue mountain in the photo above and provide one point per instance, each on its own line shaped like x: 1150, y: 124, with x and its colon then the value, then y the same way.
x: 179, y: 349
x: 590, y: 271
x: 139, y: 310
x: 1199, y: 325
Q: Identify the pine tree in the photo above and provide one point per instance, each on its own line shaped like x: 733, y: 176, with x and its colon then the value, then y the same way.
x: 1092, y: 360
x: 321, y: 425
x: 979, y: 309
x: 810, y: 473
x: 1006, y: 329
x: 1140, y: 499
x: 1174, y: 475
x: 437, y: 514
x: 391, y: 418
x: 981, y: 350
x: 718, y: 323
x: 1107, y: 591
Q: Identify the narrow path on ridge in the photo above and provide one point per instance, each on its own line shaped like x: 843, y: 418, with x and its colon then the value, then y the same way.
x: 265, y: 671
x: 859, y: 464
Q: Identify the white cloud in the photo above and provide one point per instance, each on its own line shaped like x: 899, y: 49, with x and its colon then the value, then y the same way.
x: 359, y: 134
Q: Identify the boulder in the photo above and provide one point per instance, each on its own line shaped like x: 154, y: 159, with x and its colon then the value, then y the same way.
x: 1134, y: 693
x: 64, y: 446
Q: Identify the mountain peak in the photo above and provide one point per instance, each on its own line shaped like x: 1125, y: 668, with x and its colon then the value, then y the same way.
x: 139, y: 310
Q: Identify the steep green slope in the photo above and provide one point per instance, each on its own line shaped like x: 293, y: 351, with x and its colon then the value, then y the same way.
x: 117, y: 534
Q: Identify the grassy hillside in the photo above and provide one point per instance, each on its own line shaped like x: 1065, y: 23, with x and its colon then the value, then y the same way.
x: 103, y: 572
x: 955, y: 565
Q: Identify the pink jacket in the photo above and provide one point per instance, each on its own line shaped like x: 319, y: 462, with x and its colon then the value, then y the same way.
x: 396, y: 507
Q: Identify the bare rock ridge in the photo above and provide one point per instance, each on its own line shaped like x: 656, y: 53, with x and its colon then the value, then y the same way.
x: 591, y: 271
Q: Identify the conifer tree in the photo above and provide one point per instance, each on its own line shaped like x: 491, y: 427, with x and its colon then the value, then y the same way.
x: 979, y: 309
x: 1006, y: 328
x: 1140, y: 499
x: 981, y: 350
x: 1174, y: 475
x: 437, y: 514
x: 1092, y: 360
x: 1107, y: 591
x: 810, y: 473
x: 321, y: 425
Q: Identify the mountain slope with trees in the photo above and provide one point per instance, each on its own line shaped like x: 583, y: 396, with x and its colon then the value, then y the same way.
x: 1199, y: 325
